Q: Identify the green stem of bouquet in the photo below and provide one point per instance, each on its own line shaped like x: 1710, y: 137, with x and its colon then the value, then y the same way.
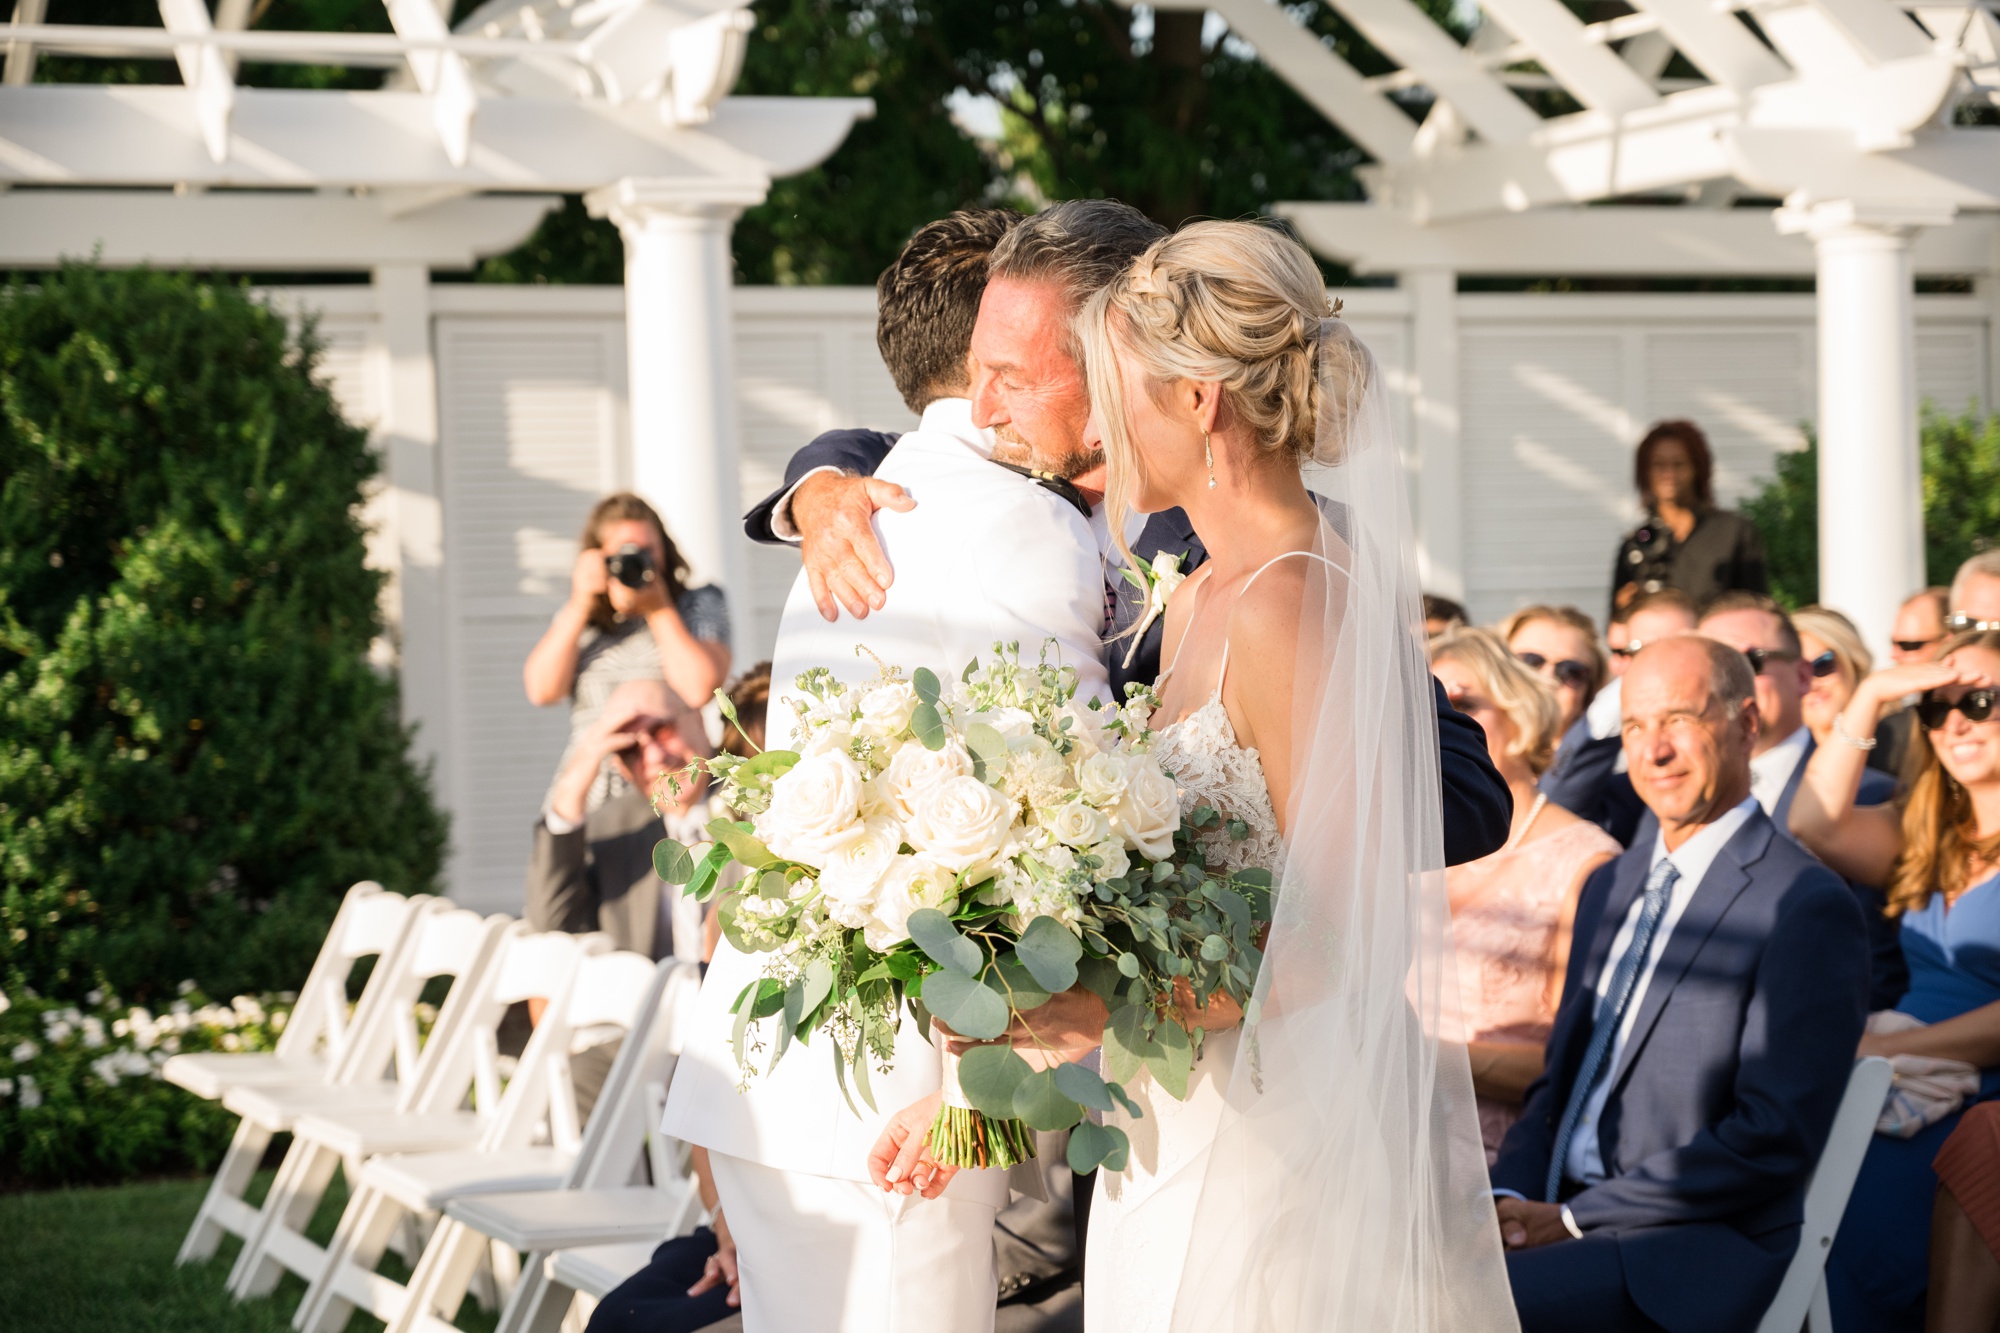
x: 963, y: 1137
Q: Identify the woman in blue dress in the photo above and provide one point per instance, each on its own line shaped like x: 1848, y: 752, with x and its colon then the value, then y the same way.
x: 1938, y: 848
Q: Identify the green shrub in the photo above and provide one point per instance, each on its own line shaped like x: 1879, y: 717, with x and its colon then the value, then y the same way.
x: 196, y: 758
x: 81, y: 1097
x: 1961, y: 463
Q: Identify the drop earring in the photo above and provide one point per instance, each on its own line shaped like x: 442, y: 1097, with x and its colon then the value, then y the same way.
x: 1208, y: 452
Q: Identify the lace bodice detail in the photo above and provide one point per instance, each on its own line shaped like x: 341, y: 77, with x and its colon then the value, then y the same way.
x: 1201, y: 752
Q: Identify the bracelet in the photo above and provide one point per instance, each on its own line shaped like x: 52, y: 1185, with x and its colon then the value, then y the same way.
x: 1842, y: 735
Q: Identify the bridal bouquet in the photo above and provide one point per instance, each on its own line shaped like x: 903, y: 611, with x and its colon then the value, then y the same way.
x: 971, y: 850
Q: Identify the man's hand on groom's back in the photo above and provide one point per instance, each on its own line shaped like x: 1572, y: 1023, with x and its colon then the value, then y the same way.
x: 834, y: 515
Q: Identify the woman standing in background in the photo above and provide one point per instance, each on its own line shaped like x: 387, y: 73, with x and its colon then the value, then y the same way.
x: 1685, y: 542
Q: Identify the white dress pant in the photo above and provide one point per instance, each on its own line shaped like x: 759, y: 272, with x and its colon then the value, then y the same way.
x: 817, y: 1254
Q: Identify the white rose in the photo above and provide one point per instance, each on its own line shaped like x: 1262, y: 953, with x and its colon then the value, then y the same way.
x: 834, y: 739
x: 961, y: 823
x: 1013, y: 724
x: 1137, y: 714
x: 1102, y: 778
x: 815, y: 809
x: 1167, y: 577
x: 914, y: 770
x: 1086, y: 726
x: 1116, y: 863
x: 1078, y: 825
x: 908, y: 883
x: 1149, y: 812
x: 886, y: 709
x: 850, y: 875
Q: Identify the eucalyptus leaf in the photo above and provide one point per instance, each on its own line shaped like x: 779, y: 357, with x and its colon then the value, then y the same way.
x: 925, y: 682
x: 1170, y: 1058
x: 742, y: 846
x: 968, y: 1007
x: 773, y: 885
x: 1229, y: 901
x: 988, y: 749
x: 672, y: 862
x: 1128, y: 964
x: 794, y: 1008
x: 1099, y: 976
x: 1214, y: 949
x: 818, y: 983
x: 1080, y: 1083
x: 772, y: 763
x: 1121, y: 1149
x: 1042, y: 1104
x: 1089, y: 1144
x: 705, y: 874
x: 1018, y: 985
x: 1125, y: 1100
x: 989, y: 1075
x: 840, y: 1077
x: 861, y: 1074
x: 1048, y: 949
x: 1125, y: 1042
x: 939, y: 939
x: 927, y: 726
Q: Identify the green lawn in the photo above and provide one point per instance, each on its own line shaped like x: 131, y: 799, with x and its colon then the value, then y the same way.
x: 102, y: 1261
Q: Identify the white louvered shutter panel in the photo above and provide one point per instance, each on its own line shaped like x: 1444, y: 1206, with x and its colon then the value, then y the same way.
x: 1749, y: 389
x: 529, y: 418
x: 1951, y: 366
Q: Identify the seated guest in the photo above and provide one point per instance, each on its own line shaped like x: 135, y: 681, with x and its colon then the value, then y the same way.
x: 1511, y: 911
x: 750, y: 695
x: 1965, y: 1227
x: 1588, y: 776
x: 1975, y: 595
x: 1914, y: 638
x: 1441, y: 614
x: 593, y: 869
x: 1559, y: 643
x: 1717, y: 985
x: 1938, y: 853
x: 689, y: 1283
x: 1840, y: 661
x: 1758, y: 628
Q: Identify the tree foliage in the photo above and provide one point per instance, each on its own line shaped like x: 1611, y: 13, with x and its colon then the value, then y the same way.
x: 196, y: 757
x: 1961, y: 485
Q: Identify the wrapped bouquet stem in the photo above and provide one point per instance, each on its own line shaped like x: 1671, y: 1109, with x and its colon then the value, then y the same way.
x: 968, y: 852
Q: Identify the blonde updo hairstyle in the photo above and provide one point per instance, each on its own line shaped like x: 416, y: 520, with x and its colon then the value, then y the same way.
x: 1527, y: 700
x: 1237, y: 304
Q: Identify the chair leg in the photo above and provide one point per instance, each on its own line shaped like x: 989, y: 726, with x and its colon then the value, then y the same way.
x: 232, y: 1179
x: 301, y: 1183
x: 530, y: 1293
x: 365, y: 1228
x: 439, y: 1284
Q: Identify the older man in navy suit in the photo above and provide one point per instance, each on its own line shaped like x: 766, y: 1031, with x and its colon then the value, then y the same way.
x: 1716, y: 991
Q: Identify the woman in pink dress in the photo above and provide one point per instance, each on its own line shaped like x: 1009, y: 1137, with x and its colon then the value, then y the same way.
x: 1511, y: 911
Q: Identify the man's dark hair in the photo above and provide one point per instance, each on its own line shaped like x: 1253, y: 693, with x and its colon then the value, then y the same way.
x: 1660, y: 599
x: 1445, y: 609
x: 1080, y: 245
x: 927, y: 301
x: 1743, y: 600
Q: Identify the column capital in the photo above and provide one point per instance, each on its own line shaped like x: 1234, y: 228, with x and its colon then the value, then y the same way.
x: 635, y: 203
x: 1825, y: 219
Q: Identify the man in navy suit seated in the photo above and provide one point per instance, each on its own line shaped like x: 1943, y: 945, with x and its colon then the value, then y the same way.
x: 1717, y: 987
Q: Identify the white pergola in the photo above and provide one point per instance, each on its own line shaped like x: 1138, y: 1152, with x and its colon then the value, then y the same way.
x: 1846, y: 110
x: 475, y: 134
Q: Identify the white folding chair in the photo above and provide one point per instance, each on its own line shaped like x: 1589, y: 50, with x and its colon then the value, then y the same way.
x: 321, y: 1044
x: 1801, y: 1301
x: 446, y: 942
x: 599, y: 1206
x: 609, y: 991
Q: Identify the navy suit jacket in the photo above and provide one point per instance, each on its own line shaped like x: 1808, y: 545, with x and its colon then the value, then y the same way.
x: 1477, y: 806
x: 1723, y: 1097
x: 1585, y: 781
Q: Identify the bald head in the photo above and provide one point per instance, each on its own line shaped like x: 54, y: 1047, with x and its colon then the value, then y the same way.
x: 1689, y: 724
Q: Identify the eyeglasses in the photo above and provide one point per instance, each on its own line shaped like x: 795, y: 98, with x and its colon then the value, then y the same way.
x: 1977, y: 705
x: 1960, y: 623
x: 1577, y: 675
x: 1823, y: 665
x: 1912, y: 645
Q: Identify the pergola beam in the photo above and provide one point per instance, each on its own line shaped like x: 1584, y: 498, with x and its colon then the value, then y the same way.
x: 1564, y: 47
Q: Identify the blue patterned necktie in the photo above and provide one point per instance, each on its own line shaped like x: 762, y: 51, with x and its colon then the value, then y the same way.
x: 1611, y: 1016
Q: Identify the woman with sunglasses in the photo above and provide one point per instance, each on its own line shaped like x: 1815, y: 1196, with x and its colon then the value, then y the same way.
x: 1938, y: 850
x: 1559, y: 644
x: 1840, y: 662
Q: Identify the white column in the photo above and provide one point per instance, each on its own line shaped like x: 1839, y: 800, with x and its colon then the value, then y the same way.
x: 1871, y: 519
x: 1434, y: 412
x: 680, y: 344
x: 414, y: 513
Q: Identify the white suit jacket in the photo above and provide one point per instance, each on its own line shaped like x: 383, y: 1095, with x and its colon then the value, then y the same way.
x: 986, y: 556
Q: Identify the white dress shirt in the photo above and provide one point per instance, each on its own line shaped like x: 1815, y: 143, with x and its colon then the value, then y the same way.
x: 1771, y: 770
x: 1692, y: 858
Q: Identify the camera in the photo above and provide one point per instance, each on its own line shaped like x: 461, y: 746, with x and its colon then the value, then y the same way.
x: 1648, y: 554
x: 631, y: 564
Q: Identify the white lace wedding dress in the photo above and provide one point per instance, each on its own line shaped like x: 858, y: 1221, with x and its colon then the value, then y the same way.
x: 1141, y: 1218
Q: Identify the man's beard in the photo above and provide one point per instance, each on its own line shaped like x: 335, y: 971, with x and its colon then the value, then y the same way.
x: 1009, y: 447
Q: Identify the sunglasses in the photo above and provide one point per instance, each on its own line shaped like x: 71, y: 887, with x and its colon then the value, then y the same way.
x: 1960, y: 623
x: 1912, y: 645
x: 1823, y: 665
x: 1977, y: 705
x: 1569, y: 671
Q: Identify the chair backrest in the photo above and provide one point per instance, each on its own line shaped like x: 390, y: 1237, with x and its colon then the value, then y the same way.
x: 371, y: 921
x: 1826, y: 1195
x: 625, y: 1119
x: 445, y: 941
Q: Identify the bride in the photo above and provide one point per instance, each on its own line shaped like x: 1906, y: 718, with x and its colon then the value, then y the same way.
x: 1324, y: 1171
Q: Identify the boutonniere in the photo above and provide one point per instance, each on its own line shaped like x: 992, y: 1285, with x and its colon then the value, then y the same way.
x: 1156, y: 582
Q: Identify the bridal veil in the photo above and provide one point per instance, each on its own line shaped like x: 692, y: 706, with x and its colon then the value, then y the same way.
x: 1346, y: 1189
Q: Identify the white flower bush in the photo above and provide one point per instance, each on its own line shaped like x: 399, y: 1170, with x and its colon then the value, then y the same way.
x: 969, y: 850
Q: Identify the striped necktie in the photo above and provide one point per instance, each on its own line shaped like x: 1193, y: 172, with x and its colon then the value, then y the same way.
x: 1610, y: 1017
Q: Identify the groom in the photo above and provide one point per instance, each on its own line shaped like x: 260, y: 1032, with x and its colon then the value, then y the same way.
x: 997, y: 549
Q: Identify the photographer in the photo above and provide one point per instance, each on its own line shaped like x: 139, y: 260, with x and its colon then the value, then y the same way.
x: 1685, y: 542
x: 630, y: 616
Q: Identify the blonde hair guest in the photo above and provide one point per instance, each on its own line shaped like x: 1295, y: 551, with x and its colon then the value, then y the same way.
x: 1512, y: 911
x: 1822, y: 631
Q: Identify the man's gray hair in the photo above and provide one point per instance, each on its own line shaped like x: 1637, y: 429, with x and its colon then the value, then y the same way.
x: 1730, y: 679
x: 1080, y: 245
x: 1985, y: 565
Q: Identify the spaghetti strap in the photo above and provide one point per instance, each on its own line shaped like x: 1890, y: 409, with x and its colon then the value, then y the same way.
x: 1223, y: 672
